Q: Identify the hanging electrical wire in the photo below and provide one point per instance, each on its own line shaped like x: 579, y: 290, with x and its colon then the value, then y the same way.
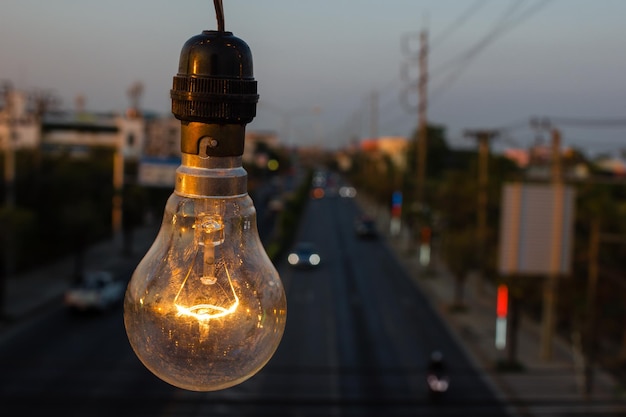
x: 219, y: 12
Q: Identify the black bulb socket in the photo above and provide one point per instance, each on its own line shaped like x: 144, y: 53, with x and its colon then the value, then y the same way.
x: 214, y: 94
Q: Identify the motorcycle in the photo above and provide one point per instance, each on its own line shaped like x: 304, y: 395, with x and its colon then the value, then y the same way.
x: 437, y: 384
x: 436, y: 378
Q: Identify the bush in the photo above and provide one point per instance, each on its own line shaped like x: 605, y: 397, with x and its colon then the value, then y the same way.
x: 288, y: 220
x: 19, y: 238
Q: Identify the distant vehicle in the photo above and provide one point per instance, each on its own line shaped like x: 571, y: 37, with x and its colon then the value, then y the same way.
x: 304, y: 254
x: 97, y: 291
x: 317, y: 193
x: 276, y: 204
x: 437, y: 377
x: 365, y: 227
x: 319, y: 179
x: 347, y: 191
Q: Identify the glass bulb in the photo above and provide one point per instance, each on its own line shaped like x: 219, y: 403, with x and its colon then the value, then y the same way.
x: 205, y: 309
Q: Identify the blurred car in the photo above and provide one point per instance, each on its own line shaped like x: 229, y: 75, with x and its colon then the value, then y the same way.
x: 276, y: 204
x: 317, y: 193
x: 97, y: 291
x: 304, y: 254
x: 319, y: 179
x: 347, y: 191
x: 365, y: 227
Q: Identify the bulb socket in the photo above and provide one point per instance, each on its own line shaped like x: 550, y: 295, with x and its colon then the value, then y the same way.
x: 214, y: 85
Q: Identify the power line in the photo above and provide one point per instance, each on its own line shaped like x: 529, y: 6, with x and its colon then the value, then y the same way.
x: 469, y: 54
x: 390, y: 87
x: 394, y: 119
x: 519, y: 124
x: 588, y: 122
x: 456, y: 24
x: 506, y: 23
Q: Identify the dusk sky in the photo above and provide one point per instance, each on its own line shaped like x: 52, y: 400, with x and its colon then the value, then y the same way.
x: 492, y: 63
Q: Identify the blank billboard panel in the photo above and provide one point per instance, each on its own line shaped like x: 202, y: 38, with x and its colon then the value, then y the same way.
x: 536, y: 229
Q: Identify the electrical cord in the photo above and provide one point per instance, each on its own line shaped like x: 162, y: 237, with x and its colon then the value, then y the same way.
x: 219, y: 12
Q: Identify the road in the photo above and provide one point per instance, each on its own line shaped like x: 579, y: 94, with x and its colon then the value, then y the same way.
x: 357, y: 340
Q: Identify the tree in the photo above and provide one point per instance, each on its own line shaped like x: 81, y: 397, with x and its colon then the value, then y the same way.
x: 458, y: 252
x: 455, y: 200
x: 44, y: 102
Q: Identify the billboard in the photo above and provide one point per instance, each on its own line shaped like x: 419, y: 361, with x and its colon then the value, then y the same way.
x: 536, y: 229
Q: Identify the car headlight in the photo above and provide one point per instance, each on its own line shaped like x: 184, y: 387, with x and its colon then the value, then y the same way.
x: 293, y: 259
x: 314, y: 259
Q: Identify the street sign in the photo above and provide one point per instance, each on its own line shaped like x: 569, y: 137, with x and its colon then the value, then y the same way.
x: 396, y: 213
x: 396, y: 204
x: 158, y: 172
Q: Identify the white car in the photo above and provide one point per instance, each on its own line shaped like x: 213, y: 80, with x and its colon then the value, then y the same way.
x: 347, y: 191
x: 98, y: 291
x: 304, y: 254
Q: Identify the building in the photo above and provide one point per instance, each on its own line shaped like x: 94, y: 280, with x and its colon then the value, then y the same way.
x: 75, y: 131
x: 395, y: 147
x: 19, y: 129
x: 256, y: 140
x: 392, y: 147
x: 162, y: 138
x: 537, y: 162
x: 78, y: 131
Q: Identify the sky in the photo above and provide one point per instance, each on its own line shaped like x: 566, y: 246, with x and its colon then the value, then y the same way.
x: 492, y: 64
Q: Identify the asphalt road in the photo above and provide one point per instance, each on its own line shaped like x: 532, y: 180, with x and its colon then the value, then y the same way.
x: 359, y: 333
x: 357, y: 341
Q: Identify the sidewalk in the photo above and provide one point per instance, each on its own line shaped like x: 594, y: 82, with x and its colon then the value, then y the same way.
x: 545, y: 387
x: 27, y: 293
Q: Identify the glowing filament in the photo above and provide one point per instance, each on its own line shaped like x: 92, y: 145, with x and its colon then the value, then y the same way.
x: 208, y: 311
x: 209, y: 235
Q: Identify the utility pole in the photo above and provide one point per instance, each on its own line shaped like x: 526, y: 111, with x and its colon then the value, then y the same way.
x: 550, y: 289
x: 596, y: 237
x: 592, y: 285
x: 118, y: 190
x: 422, y: 122
x: 482, y: 137
x: 421, y: 145
x: 374, y: 115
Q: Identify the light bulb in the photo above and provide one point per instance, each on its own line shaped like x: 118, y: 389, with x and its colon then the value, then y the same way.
x: 205, y: 308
